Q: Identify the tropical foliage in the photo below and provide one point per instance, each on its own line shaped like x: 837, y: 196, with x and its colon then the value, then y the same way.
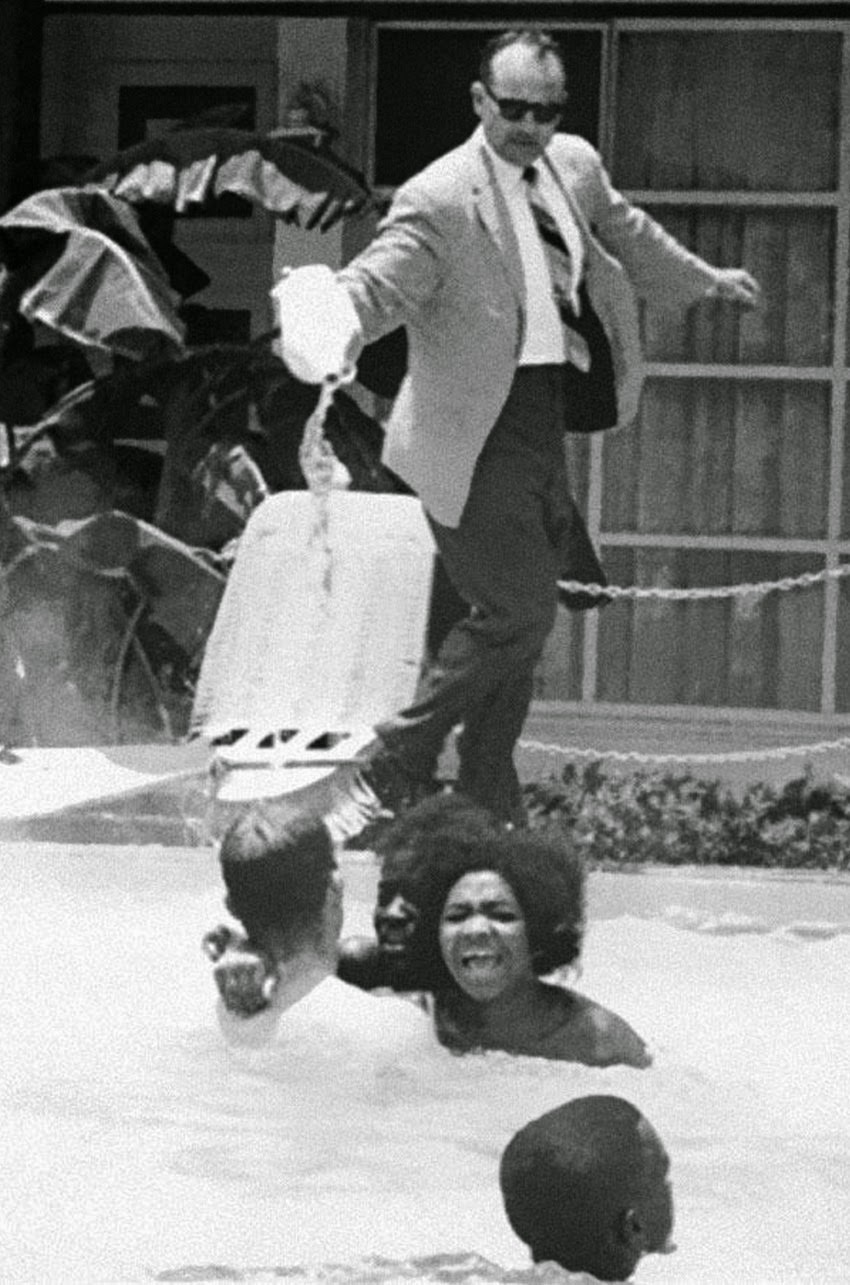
x: 129, y: 461
x: 657, y: 817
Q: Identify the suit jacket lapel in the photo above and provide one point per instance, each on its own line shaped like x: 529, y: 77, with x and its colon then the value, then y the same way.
x: 592, y: 247
x: 574, y: 207
x: 493, y: 212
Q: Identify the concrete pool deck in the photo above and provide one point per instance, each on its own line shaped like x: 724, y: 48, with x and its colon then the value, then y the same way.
x: 111, y: 794
x: 156, y: 793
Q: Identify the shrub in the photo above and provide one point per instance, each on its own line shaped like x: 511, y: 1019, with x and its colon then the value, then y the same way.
x: 667, y: 819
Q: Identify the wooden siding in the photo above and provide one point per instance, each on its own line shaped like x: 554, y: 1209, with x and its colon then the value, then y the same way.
x: 721, y: 457
x: 758, y: 653
x: 755, y: 109
x: 736, y: 469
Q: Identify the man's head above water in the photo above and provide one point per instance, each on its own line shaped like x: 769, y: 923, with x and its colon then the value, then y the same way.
x: 282, y: 881
x: 587, y: 1186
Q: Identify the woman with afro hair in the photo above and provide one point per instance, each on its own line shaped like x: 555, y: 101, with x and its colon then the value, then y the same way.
x: 496, y: 914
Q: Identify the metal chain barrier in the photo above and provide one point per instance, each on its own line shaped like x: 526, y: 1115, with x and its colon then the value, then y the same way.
x: 744, y: 590
x: 777, y: 752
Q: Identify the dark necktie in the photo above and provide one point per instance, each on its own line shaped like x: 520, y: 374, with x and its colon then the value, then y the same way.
x: 590, y: 382
x: 559, y: 261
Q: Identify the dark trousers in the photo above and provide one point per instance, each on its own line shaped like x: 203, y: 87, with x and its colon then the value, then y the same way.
x: 503, y: 559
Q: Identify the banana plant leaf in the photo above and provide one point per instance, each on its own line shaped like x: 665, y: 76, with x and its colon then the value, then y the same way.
x: 203, y: 405
x: 187, y: 169
x: 103, y: 614
x: 75, y: 261
x: 180, y: 585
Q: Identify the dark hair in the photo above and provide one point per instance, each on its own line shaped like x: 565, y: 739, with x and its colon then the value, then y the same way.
x: 427, y: 834
x: 534, y: 38
x: 277, y: 870
x: 567, y: 1175
x: 547, y: 877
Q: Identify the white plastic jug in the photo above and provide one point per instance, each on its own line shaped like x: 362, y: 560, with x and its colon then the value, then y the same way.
x: 318, y: 323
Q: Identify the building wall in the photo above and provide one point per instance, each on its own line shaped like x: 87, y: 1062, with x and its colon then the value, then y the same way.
x: 310, y: 49
x: 87, y: 61
x: 732, y: 134
x: 20, y: 72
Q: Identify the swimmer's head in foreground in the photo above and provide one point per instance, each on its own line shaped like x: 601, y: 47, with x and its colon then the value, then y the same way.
x: 587, y: 1186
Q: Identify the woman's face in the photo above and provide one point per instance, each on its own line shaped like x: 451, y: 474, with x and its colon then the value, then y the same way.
x: 483, y: 938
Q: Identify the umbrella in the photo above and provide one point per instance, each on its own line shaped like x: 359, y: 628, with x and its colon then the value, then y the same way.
x: 76, y: 261
x: 187, y: 168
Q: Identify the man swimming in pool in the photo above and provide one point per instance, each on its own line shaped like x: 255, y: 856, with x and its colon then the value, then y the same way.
x: 284, y: 886
x: 586, y: 1186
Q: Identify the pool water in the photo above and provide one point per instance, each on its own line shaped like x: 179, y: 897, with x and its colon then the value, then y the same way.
x: 136, y: 1148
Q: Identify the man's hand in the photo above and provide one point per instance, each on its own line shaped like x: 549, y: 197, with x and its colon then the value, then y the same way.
x: 736, y: 286
x: 246, y: 980
x: 245, y: 976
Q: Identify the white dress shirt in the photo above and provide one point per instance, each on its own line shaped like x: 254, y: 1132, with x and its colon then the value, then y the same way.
x: 543, y: 342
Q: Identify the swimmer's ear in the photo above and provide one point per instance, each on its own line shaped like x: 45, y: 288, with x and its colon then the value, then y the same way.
x: 333, y: 899
x: 629, y: 1231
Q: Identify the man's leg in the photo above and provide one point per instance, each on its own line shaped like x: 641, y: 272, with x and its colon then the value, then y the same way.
x: 502, y: 560
x: 486, y: 747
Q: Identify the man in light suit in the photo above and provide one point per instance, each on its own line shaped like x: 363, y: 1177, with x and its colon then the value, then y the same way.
x: 504, y: 358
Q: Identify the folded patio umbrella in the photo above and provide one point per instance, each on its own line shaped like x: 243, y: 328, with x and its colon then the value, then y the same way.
x: 187, y: 168
x: 76, y: 261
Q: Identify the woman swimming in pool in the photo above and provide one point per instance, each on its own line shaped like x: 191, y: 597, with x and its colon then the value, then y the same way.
x: 494, y: 918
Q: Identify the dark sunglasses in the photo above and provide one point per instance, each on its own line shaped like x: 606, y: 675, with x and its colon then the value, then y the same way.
x: 515, y: 109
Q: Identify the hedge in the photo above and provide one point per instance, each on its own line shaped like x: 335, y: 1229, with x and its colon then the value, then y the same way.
x: 665, y: 819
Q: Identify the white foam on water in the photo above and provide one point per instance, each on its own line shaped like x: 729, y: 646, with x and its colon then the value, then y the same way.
x: 135, y: 1145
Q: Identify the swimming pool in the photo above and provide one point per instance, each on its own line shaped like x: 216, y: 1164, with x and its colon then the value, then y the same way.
x: 136, y: 1150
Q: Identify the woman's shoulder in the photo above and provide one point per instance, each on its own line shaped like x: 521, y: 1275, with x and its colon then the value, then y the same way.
x: 588, y: 1032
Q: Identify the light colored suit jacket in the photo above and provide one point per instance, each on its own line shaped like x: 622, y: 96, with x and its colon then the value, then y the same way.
x: 446, y: 265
